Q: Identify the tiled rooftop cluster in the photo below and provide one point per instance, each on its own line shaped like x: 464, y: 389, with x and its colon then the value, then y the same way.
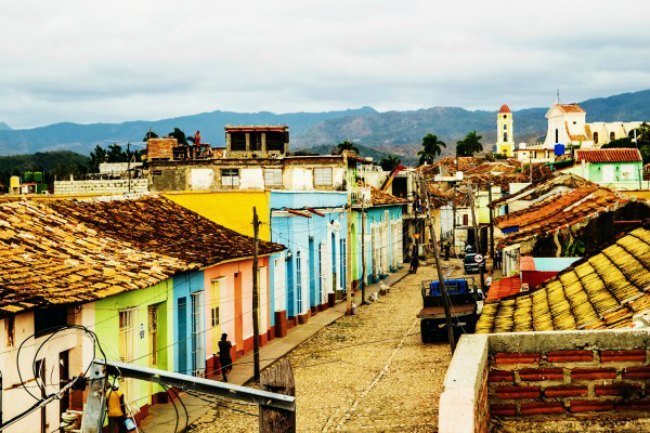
x: 558, y: 212
x: 608, y: 155
x: 602, y: 291
x: 69, y: 251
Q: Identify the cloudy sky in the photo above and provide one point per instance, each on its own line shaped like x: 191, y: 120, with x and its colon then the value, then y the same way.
x: 104, y: 61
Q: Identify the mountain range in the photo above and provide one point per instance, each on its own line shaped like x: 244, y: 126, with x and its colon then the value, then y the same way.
x: 390, y: 132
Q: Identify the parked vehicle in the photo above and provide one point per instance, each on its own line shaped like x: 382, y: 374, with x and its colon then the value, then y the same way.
x: 473, y: 263
x: 466, y: 305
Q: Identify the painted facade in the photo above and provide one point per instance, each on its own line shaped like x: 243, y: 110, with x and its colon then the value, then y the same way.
x: 313, y: 226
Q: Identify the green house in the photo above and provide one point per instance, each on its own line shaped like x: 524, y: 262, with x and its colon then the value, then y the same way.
x: 617, y: 168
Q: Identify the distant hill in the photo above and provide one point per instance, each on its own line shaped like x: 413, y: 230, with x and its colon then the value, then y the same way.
x: 83, y: 138
x: 394, y: 129
x: 59, y: 165
x: 4, y: 127
x: 396, y: 132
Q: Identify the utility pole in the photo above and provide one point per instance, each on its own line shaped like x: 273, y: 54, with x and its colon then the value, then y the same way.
x: 441, y: 278
x: 128, y: 163
x: 92, y: 420
x: 348, y: 251
x: 477, y: 239
x: 363, y: 250
x: 453, y: 225
x: 491, y: 209
x: 256, y: 298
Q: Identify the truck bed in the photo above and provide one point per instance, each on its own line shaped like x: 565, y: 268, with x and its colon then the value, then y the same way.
x: 439, y: 312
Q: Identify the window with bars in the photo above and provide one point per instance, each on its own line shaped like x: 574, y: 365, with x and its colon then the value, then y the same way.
x: 272, y: 177
x: 323, y: 176
x: 230, y: 177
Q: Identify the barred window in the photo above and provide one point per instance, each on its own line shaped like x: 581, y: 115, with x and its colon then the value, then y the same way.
x: 230, y: 177
x: 323, y: 176
x: 273, y: 177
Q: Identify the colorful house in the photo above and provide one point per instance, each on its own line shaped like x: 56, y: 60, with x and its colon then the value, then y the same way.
x: 155, y: 281
x: 313, y: 226
x: 383, y: 240
x: 616, y: 168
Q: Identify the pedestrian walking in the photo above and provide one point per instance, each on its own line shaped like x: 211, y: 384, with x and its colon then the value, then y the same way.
x: 116, y: 410
x: 497, y: 259
x: 224, y: 356
x: 447, y: 249
x: 415, y: 260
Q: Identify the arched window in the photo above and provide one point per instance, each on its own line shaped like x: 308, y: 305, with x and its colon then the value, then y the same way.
x: 557, y: 135
x: 505, y: 127
x: 595, y: 138
x: 505, y: 137
x: 612, y: 136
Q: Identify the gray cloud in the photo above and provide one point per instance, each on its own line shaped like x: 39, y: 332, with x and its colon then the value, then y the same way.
x: 91, y: 61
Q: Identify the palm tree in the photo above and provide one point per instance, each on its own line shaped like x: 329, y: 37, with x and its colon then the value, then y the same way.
x: 431, y: 148
x: 178, y: 135
x: 150, y: 134
x: 389, y: 163
x: 469, y: 145
x: 347, y: 145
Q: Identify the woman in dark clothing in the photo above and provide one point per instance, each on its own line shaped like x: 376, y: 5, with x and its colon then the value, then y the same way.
x: 415, y: 260
x: 224, y: 356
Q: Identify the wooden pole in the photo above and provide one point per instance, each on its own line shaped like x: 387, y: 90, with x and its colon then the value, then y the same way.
x: 256, y: 298
x: 491, y: 209
x: 92, y: 420
x: 441, y: 278
x: 363, y: 252
x: 279, y: 379
x: 477, y: 239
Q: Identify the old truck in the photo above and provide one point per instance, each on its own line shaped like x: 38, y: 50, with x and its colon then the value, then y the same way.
x: 466, y: 304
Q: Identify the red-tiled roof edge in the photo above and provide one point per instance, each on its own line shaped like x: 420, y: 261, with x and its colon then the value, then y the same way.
x: 609, y: 155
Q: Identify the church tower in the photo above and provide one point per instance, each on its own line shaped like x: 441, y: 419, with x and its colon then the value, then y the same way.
x: 505, y: 132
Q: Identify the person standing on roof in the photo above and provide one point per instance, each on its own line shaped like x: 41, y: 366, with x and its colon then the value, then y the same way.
x: 116, y: 410
x: 197, y: 143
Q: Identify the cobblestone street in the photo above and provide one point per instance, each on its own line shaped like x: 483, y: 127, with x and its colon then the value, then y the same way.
x: 366, y: 373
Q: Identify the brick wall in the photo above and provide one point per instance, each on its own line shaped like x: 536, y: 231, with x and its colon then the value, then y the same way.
x: 109, y: 187
x: 565, y: 382
x: 555, y: 375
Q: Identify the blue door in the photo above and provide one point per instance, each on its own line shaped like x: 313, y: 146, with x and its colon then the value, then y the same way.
x: 312, y: 274
x: 291, y: 294
x: 182, y: 336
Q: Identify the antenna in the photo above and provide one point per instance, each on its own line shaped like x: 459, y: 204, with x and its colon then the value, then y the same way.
x: 558, y: 96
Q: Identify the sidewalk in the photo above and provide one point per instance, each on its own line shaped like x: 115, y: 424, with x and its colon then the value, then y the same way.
x: 161, y: 417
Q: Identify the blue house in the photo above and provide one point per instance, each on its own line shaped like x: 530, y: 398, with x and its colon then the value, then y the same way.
x: 383, y: 240
x: 313, y: 227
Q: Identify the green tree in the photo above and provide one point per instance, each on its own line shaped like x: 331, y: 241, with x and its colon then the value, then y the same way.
x: 347, y: 145
x: 150, y: 134
x: 470, y: 145
x: 116, y: 153
x: 642, y: 142
x: 619, y: 143
x: 97, y: 156
x: 178, y: 135
x: 431, y: 148
x: 389, y: 162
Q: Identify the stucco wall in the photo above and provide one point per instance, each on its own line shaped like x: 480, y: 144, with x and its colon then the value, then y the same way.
x: 114, y: 186
x: 232, y: 209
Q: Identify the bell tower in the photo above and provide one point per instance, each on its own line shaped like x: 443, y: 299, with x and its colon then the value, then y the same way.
x: 505, y: 132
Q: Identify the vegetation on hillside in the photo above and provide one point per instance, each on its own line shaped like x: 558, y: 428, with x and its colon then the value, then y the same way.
x: 58, y: 164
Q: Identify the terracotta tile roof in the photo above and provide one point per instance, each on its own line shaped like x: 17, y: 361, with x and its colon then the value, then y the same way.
x: 603, y: 291
x: 557, y: 212
x: 539, y: 189
x: 448, y: 164
x: 67, y: 251
x: 503, y: 288
x: 609, y: 155
x: 157, y: 224
x: 380, y: 198
x: 504, y: 109
x: 570, y: 108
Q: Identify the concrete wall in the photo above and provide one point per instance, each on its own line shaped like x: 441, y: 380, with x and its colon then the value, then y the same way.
x: 595, y: 374
x: 14, y: 398
x: 108, y: 187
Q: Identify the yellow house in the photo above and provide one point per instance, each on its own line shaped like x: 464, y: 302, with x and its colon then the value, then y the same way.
x: 231, y: 209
